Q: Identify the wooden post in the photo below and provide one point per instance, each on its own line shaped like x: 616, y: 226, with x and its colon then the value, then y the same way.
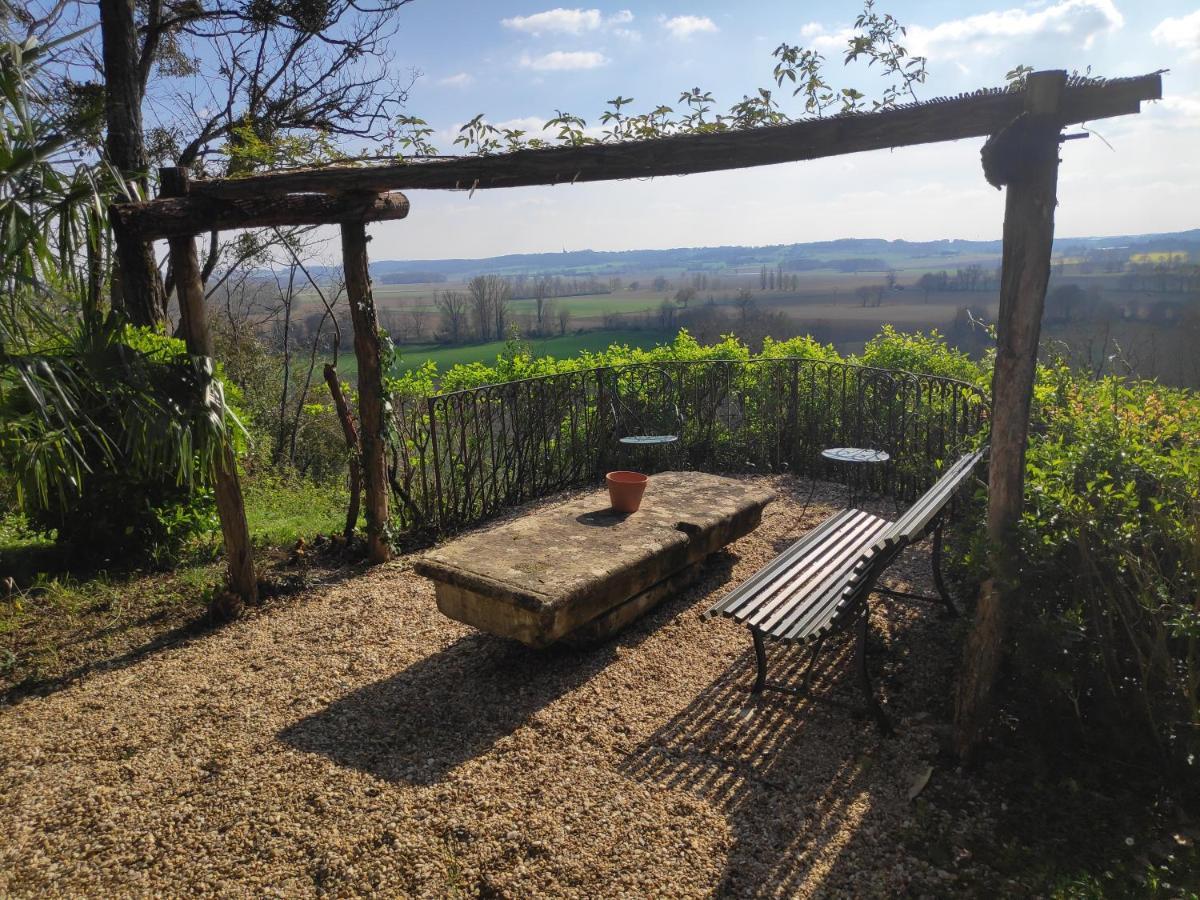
x: 350, y: 433
x: 243, y: 584
x: 370, y: 387
x: 1032, y: 181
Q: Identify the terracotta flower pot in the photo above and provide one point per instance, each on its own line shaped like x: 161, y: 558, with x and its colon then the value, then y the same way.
x: 625, y: 490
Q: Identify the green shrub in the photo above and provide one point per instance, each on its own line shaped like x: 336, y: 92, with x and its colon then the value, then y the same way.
x: 924, y: 353
x: 1109, y: 632
x: 117, y: 462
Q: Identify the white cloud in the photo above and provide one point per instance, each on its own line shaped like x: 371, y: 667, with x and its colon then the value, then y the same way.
x: 1180, y: 32
x: 1071, y: 22
x: 567, y: 21
x: 459, y: 79
x: 564, y: 60
x: 683, y: 27
x: 1184, y: 108
x: 1018, y: 32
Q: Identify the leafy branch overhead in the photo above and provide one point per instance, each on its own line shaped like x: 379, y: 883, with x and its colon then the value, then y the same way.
x: 877, y: 39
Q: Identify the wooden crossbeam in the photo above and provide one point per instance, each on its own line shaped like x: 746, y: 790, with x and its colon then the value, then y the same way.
x: 169, y: 217
x: 975, y: 115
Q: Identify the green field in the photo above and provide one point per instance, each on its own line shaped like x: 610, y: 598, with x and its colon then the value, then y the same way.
x: 414, y: 355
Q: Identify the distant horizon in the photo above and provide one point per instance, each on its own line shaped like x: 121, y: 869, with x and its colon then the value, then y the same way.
x: 568, y: 250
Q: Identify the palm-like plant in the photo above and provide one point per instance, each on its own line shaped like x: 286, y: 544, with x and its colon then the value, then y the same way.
x: 86, y: 402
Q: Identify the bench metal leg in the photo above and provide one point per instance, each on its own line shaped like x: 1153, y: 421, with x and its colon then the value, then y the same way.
x: 938, y: 582
x: 760, y: 656
x: 864, y: 677
x: 812, y: 662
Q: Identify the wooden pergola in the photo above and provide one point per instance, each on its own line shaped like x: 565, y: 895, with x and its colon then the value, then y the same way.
x: 1023, y: 127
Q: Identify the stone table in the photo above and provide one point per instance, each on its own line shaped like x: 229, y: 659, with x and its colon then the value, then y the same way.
x: 579, y: 571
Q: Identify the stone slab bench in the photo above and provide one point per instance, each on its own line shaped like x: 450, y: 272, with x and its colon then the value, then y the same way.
x: 576, y: 570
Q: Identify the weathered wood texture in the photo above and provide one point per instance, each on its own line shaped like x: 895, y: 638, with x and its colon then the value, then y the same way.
x: 370, y: 388
x: 243, y: 583
x: 975, y: 115
x: 350, y: 433
x: 181, y: 216
x: 1028, y: 241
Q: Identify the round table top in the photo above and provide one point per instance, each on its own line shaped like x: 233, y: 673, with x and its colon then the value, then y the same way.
x: 855, y: 455
x: 649, y: 439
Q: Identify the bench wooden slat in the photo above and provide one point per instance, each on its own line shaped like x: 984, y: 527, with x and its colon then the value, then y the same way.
x: 910, y: 526
x: 805, y: 619
x: 826, y: 562
x: 729, y: 605
x: 820, y: 614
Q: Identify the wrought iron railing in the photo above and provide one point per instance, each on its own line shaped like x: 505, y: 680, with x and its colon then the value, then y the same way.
x: 458, y: 458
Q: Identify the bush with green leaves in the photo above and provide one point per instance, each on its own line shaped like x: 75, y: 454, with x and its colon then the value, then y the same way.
x: 115, y: 458
x: 1109, y: 631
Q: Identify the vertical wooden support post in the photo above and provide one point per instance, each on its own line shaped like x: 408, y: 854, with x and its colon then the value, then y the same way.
x: 1028, y: 241
x: 370, y: 387
x: 350, y: 433
x: 243, y: 584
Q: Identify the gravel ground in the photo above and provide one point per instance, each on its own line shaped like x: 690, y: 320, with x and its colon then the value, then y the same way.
x: 355, y: 741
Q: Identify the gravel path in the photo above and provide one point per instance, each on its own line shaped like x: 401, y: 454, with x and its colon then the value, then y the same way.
x: 356, y: 741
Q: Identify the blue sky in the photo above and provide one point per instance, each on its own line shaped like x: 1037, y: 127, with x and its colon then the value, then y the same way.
x: 518, y: 62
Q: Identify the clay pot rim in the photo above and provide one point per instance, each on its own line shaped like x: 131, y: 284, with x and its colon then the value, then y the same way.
x: 622, y: 476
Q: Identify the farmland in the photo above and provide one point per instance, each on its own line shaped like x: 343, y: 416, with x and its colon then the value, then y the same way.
x: 1131, y: 294
x: 414, y: 355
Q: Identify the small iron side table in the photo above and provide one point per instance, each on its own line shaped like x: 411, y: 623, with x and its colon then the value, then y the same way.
x: 648, y: 443
x: 853, y: 458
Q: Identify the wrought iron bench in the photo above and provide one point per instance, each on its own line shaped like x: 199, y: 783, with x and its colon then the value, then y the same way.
x: 820, y: 585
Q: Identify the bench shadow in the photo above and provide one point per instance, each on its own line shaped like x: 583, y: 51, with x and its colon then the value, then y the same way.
x: 790, y: 774
x: 456, y: 704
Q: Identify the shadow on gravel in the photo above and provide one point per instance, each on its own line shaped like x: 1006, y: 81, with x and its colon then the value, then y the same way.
x: 791, y: 774
x: 456, y: 704
x: 113, y: 645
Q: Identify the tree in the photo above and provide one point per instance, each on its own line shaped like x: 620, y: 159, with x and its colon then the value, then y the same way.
x: 138, y: 292
x: 452, y: 307
x: 745, y: 304
x: 927, y: 283
x: 540, y: 289
x: 501, y: 297
x: 490, y: 296
x: 564, y: 318
x: 1065, y: 302
x: 666, y: 314
x: 250, y: 85
x: 684, y: 296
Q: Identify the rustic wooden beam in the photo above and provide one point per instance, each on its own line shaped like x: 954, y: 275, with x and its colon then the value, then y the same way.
x: 243, y: 583
x: 188, y: 215
x: 1025, y: 272
x: 370, y: 387
x: 975, y: 115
